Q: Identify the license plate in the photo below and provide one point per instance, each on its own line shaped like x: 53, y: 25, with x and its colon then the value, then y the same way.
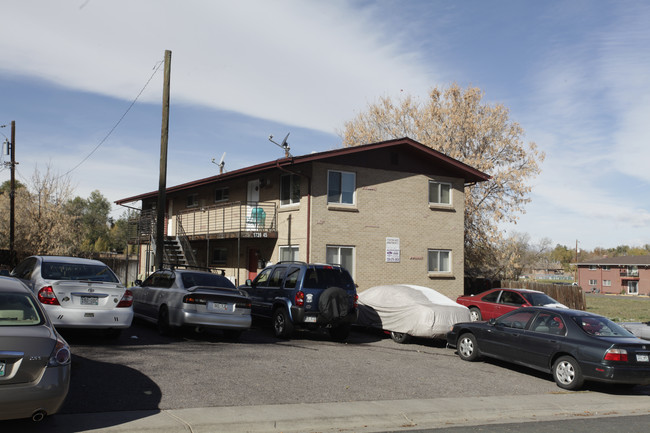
x: 89, y: 300
x: 310, y: 319
x: 642, y: 358
x: 2, y: 368
x: 219, y: 306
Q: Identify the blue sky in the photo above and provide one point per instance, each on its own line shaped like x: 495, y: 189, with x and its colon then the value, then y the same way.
x: 575, y: 75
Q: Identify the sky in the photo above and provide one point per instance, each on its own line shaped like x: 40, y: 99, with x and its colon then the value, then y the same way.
x: 575, y: 75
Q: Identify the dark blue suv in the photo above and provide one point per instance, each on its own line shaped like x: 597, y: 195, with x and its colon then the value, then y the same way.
x: 296, y: 294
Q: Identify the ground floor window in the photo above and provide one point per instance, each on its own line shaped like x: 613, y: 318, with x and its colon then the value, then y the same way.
x: 289, y: 253
x: 439, y: 261
x: 340, y: 255
x: 593, y: 282
x: 632, y: 287
x: 607, y: 283
x: 219, y: 256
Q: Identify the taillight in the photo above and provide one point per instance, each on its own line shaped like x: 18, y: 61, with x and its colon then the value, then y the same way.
x: 243, y: 304
x: 60, y: 354
x: 300, y: 298
x: 616, y: 355
x: 355, y: 304
x: 46, y: 296
x: 192, y: 299
x: 127, y: 300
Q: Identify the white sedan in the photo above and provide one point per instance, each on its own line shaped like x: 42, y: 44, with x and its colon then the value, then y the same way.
x: 406, y: 310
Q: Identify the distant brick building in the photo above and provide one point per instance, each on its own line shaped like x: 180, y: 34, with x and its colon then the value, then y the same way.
x: 616, y: 275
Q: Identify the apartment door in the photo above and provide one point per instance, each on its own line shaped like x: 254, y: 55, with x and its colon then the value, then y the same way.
x: 252, y: 198
x: 632, y: 287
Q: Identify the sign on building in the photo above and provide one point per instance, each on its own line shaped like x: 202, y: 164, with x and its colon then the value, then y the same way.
x: 392, y: 250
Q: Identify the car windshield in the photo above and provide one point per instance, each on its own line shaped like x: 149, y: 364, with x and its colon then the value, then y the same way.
x: 77, y: 271
x: 191, y: 279
x: 539, y: 299
x: 323, y: 278
x: 601, y: 326
x: 18, y: 310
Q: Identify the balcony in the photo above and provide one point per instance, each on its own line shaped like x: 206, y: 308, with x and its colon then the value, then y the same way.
x: 630, y: 273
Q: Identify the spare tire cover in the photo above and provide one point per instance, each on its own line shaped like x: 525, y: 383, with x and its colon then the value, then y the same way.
x: 333, y: 304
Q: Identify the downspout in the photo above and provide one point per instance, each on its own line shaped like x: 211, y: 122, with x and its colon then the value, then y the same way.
x: 277, y: 164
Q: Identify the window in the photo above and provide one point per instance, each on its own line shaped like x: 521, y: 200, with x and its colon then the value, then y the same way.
x: 291, y: 279
x: 607, y: 283
x: 289, y: 189
x: 343, y: 256
x: 340, y: 187
x: 593, y: 267
x: 548, y: 323
x: 517, y: 319
x: 606, y: 267
x: 192, y: 200
x: 439, y: 193
x: 511, y: 298
x: 221, y: 194
x: 439, y: 261
x: 593, y: 282
x: 289, y: 254
x: 219, y: 256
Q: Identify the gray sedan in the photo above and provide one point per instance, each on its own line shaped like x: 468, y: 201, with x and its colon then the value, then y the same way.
x: 34, y: 358
x: 174, y: 298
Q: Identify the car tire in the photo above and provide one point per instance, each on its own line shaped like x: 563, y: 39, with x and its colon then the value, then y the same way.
x: 282, y: 325
x: 567, y: 373
x: 164, y: 327
x: 333, y: 304
x: 340, y: 332
x: 475, y: 314
x: 400, y: 337
x: 467, y: 347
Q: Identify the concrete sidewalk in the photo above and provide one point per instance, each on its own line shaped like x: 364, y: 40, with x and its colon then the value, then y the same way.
x: 369, y: 416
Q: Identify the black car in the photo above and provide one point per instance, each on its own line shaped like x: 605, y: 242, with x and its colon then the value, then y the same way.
x: 297, y: 294
x: 572, y: 345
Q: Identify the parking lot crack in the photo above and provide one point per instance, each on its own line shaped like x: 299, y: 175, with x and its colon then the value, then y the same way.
x: 179, y: 419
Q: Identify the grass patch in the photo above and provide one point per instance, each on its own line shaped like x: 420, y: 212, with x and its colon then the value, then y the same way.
x: 620, y: 309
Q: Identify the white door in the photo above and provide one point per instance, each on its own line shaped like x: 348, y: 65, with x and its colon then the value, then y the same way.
x: 252, y: 198
x: 632, y: 287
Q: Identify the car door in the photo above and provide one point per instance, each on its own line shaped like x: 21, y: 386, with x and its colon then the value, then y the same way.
x: 139, y: 306
x: 504, y: 338
x: 256, y: 293
x: 488, y: 305
x: 273, y: 290
x: 24, y: 272
x: 508, y: 301
x: 543, y: 339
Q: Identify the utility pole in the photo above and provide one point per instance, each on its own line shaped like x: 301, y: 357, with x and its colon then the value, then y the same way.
x: 162, y: 184
x: 12, y: 196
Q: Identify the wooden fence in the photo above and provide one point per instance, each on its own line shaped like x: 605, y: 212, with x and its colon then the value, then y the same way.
x: 571, y: 296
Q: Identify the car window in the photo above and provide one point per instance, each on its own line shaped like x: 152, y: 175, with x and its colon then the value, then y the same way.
x: 19, y: 310
x: 24, y: 269
x: 548, y: 323
x: 601, y: 326
x: 539, y: 299
x: 325, y: 277
x: 511, y: 298
x: 491, y: 297
x: 516, y: 319
x: 163, y: 279
x: 292, y: 278
x: 191, y: 279
x: 262, y: 279
x: 77, y: 271
x: 277, y: 276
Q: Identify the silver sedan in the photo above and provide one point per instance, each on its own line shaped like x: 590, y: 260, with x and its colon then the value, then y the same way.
x: 175, y: 298
x: 34, y: 358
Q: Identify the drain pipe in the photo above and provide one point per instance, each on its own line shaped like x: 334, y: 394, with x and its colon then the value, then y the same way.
x: 277, y: 164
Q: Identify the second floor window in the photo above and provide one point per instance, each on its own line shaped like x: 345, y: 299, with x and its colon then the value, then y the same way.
x: 439, y: 261
x: 289, y: 189
x: 340, y: 187
x: 439, y: 193
x: 222, y: 194
x: 192, y: 200
x: 289, y: 254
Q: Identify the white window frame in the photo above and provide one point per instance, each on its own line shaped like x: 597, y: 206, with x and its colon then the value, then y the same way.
x: 593, y: 282
x: 294, y: 180
x: 341, y: 191
x: 294, y: 250
x: 439, y: 185
x: 225, y: 194
x: 440, y: 264
x: 607, y: 283
x: 337, y: 254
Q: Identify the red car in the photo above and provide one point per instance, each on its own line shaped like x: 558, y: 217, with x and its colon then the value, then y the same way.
x: 496, y: 302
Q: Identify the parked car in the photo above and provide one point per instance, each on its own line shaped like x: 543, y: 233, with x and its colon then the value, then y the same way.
x: 406, y: 310
x: 495, y: 302
x: 174, y: 298
x: 311, y: 296
x: 572, y: 345
x: 34, y: 358
x: 640, y: 329
x: 78, y: 293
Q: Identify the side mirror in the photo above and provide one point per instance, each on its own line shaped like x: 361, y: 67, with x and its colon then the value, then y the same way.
x: 249, y: 282
x: 138, y: 282
x: 492, y: 322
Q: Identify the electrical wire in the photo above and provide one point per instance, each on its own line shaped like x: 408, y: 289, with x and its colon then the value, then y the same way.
x: 156, y: 68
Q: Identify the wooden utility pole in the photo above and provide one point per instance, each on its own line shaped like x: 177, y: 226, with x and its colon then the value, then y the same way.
x: 12, y: 196
x: 162, y: 184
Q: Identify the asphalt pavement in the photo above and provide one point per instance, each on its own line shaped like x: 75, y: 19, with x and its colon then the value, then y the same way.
x: 361, y: 416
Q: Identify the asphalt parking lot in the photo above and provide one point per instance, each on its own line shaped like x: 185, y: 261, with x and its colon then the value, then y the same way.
x: 142, y: 370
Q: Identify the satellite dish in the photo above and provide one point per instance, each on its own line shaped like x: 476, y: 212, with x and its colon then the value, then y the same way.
x: 284, y: 145
x: 222, y: 162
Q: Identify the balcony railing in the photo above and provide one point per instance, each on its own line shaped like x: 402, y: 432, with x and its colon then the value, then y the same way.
x: 630, y: 273
x: 228, y: 218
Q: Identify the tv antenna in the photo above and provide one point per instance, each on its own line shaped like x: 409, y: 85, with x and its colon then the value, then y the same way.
x: 221, y: 163
x: 284, y: 145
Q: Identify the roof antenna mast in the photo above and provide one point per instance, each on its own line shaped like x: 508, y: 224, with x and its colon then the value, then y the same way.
x: 284, y: 145
x: 222, y: 163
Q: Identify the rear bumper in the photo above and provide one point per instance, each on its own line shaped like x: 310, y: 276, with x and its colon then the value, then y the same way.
x: 301, y: 317
x: 217, y: 321
x: 116, y: 318
x: 635, y: 375
x: 48, y: 394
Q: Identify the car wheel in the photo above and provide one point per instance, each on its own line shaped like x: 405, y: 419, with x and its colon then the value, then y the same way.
x: 567, y: 374
x: 399, y: 337
x: 164, y: 327
x: 282, y: 324
x: 467, y: 347
x: 340, y: 333
x: 333, y: 304
x: 475, y: 314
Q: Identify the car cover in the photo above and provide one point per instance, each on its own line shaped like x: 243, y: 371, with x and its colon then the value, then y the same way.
x: 413, y: 310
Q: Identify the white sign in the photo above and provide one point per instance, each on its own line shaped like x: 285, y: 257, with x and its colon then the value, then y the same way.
x: 392, y: 250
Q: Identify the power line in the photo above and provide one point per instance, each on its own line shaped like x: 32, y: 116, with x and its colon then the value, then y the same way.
x: 156, y: 68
